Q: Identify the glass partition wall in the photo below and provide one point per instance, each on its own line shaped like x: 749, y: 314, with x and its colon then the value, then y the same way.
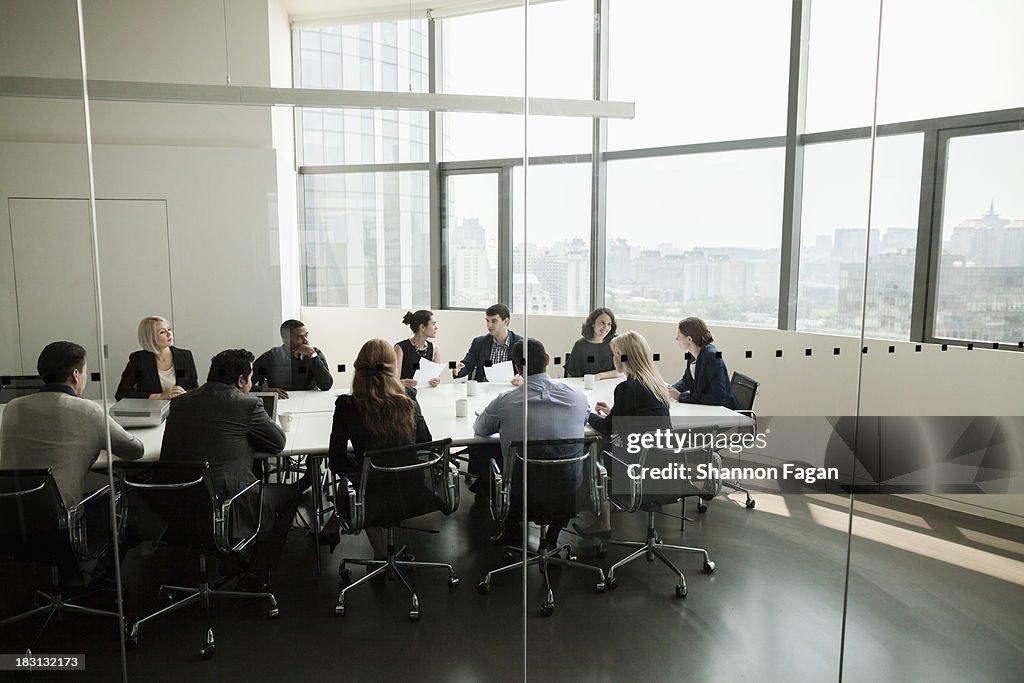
x: 823, y: 234
x: 62, y: 523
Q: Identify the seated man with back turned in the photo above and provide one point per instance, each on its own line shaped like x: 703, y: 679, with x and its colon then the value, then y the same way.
x: 56, y: 428
x: 222, y: 424
x: 556, y: 411
x: 295, y: 365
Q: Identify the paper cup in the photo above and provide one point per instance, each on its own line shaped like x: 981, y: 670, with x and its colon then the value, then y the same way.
x: 471, y: 387
x: 286, y: 420
x: 461, y: 407
x: 588, y: 381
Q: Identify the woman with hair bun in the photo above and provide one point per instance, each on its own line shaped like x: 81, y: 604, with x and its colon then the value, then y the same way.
x: 409, y: 351
x: 706, y: 379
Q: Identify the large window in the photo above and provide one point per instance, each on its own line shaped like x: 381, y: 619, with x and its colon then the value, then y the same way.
x: 834, y: 236
x: 366, y: 240
x: 698, y: 72
x: 696, y: 235
x: 471, y: 219
x: 981, y: 268
x: 483, y: 55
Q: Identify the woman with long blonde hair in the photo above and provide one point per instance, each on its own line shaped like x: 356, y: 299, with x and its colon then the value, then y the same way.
x: 643, y: 395
x: 378, y: 413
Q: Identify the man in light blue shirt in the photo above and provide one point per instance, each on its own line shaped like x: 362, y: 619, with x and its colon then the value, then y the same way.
x: 555, y: 411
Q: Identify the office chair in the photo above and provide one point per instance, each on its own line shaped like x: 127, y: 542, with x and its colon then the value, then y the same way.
x: 183, y: 495
x: 19, y: 385
x: 745, y: 389
x: 546, y: 495
x: 395, y: 485
x: 35, y: 526
x: 650, y: 495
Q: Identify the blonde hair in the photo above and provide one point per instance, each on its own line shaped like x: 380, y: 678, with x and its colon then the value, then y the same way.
x: 389, y: 415
x: 147, y: 332
x: 638, y: 361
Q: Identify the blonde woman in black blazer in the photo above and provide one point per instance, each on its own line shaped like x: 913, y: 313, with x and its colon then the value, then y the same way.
x: 159, y: 370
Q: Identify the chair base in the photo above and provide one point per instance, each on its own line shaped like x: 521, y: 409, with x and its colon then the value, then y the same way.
x: 543, y: 558
x: 55, y: 609
x: 653, y: 548
x: 201, y: 594
x: 391, y: 566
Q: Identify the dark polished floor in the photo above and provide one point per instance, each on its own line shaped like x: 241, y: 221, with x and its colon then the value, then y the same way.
x: 933, y: 595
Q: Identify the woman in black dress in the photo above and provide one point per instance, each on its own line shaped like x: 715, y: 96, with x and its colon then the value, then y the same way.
x: 640, y: 404
x: 409, y: 351
x: 160, y: 370
x: 378, y: 413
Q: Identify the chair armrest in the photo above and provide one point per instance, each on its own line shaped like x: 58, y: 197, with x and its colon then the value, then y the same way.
x: 499, y: 493
x: 598, y: 487
x: 78, y: 519
x: 222, y: 521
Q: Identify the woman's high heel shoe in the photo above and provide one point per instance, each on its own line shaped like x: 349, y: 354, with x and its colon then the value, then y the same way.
x: 330, y: 535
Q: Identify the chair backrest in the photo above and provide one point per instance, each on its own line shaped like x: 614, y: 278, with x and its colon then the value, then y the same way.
x: 745, y: 389
x: 11, y: 387
x: 688, y: 472
x: 400, y: 483
x: 34, y: 523
x: 181, y: 494
x: 555, y: 470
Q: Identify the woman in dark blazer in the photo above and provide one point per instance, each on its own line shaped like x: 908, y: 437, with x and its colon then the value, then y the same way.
x: 378, y: 413
x: 159, y: 370
x: 640, y: 405
x: 706, y: 379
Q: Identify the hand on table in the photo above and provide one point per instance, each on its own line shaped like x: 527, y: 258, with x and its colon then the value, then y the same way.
x: 168, y: 394
x: 281, y: 393
x: 408, y: 382
x: 434, y: 382
x: 517, y: 381
x: 602, y: 408
x: 673, y: 394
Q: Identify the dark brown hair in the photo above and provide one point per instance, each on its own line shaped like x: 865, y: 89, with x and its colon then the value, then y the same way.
x: 387, y: 412
x: 500, y: 310
x: 696, y: 328
x: 418, y: 319
x: 588, y: 325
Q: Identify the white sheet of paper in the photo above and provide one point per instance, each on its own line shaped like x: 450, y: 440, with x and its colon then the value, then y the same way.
x: 427, y: 371
x: 501, y: 373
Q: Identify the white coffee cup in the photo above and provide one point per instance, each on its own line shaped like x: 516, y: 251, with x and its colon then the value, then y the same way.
x: 286, y: 420
x: 461, y: 407
x: 588, y: 381
x: 471, y: 387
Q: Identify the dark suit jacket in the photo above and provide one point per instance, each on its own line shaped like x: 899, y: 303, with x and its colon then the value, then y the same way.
x: 348, y: 426
x: 709, y: 383
x: 632, y: 400
x: 278, y: 368
x: 480, y: 352
x: 220, y: 425
x: 140, y: 378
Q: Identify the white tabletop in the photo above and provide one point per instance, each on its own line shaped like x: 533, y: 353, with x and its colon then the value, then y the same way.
x: 312, y: 414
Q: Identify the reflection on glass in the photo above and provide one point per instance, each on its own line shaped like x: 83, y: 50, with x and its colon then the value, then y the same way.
x: 833, y: 237
x: 981, y: 268
x: 471, y: 224
x: 557, y: 234
x: 696, y: 235
x: 365, y: 240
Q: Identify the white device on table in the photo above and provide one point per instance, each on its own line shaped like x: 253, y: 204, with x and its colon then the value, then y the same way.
x: 139, y: 412
x: 269, y: 402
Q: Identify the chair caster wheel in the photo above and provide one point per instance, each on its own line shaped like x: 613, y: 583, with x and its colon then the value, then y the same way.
x: 132, y: 642
x: 483, y: 588
x: 600, y: 587
x: 274, y: 613
x: 339, y: 610
x: 345, y: 575
x: 547, y: 609
x: 453, y: 581
x: 750, y: 504
x: 680, y: 591
x: 601, y: 551
x: 701, y: 506
x: 572, y: 557
x: 208, y: 651
x: 709, y: 566
x: 414, y: 615
x: 650, y: 557
x: 612, y: 582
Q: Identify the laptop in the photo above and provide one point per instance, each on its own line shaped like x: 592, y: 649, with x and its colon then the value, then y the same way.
x: 269, y: 402
x: 139, y: 412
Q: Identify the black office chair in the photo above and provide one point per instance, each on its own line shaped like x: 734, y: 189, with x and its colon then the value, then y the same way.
x: 35, y: 526
x: 395, y: 485
x: 745, y: 389
x: 183, y: 495
x: 11, y: 387
x: 545, y: 502
x: 651, y: 495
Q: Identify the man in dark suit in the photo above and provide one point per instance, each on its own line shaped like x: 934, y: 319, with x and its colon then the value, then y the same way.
x: 295, y: 365
x: 491, y: 348
x: 222, y: 424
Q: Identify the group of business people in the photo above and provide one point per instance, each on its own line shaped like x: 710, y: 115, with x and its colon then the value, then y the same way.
x: 223, y: 423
